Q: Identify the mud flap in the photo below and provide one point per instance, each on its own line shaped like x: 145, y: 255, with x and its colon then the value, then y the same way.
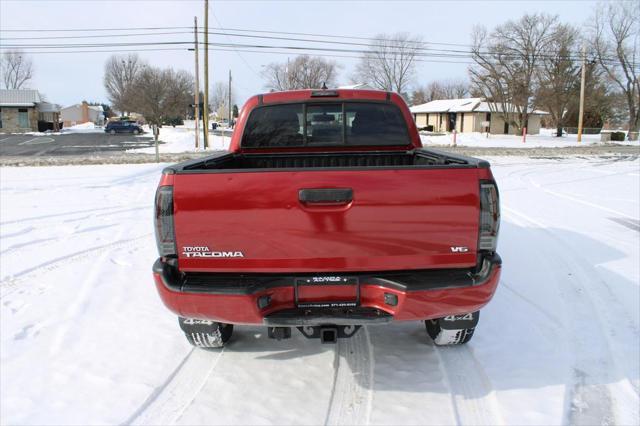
x: 194, y: 325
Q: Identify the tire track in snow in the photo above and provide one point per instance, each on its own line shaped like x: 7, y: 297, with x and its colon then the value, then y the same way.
x: 551, y: 317
x: 588, y: 400
x: 352, y: 393
x: 109, y: 210
x: 472, y: 396
x: 8, y: 285
x: 169, y: 401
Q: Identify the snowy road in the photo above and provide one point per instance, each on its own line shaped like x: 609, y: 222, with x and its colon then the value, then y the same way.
x: 85, y: 339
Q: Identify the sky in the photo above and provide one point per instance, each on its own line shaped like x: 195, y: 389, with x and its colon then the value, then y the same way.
x: 69, y: 78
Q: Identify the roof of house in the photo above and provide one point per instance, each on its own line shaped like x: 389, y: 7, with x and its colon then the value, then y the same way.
x: 93, y: 107
x: 461, y: 105
x: 18, y: 98
x: 448, y: 105
x: 48, y: 107
x: 497, y: 107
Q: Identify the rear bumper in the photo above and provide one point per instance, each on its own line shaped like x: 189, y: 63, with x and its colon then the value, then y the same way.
x: 269, y: 299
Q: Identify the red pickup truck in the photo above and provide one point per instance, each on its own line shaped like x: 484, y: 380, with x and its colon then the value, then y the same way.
x: 326, y: 214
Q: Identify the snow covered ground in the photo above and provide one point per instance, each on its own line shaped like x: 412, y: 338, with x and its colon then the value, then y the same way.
x: 78, y: 128
x: 86, y: 340
x: 546, y: 138
x: 182, y: 139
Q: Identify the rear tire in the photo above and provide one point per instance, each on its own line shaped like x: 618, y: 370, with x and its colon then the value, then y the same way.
x: 442, y: 337
x: 136, y: 132
x: 112, y: 132
x: 204, y: 333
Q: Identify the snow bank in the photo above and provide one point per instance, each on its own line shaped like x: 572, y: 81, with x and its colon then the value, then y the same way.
x: 546, y: 138
x: 182, y: 139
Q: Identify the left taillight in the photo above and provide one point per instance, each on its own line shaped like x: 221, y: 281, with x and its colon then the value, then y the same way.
x: 165, y: 232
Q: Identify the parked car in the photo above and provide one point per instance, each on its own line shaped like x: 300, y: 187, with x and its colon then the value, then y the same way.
x: 327, y: 214
x: 114, y: 127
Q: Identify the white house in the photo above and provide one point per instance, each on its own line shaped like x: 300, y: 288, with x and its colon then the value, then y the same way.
x: 82, y: 113
x: 469, y: 115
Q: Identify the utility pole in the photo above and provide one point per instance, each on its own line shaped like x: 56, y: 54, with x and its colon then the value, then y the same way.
x: 584, y: 74
x: 197, y: 94
x: 205, y: 117
x: 230, y: 118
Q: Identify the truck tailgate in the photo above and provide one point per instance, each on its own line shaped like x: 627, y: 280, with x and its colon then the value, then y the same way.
x: 261, y: 222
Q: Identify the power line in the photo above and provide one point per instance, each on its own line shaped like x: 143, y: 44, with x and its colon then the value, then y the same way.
x: 421, y: 51
x: 96, y: 36
x: 37, y: 30
x: 462, y: 55
x: 244, y: 50
x: 449, y: 52
x: 237, y: 52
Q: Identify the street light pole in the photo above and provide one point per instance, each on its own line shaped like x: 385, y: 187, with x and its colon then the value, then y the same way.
x: 582, y: 81
x: 197, y: 94
x: 230, y: 98
x: 205, y: 118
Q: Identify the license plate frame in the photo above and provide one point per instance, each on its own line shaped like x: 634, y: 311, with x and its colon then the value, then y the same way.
x: 324, y: 282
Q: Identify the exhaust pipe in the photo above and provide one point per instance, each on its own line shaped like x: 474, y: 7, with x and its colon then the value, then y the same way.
x: 328, y: 335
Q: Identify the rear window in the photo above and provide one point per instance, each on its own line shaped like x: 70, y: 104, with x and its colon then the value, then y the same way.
x: 326, y: 124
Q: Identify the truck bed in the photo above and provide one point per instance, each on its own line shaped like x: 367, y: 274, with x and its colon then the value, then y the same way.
x: 418, y: 158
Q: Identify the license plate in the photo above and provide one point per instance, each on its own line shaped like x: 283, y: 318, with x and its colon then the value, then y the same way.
x: 327, y: 292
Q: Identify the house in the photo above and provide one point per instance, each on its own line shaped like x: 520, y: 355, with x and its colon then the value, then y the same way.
x: 48, y: 117
x: 470, y: 115
x: 19, y: 110
x: 82, y: 113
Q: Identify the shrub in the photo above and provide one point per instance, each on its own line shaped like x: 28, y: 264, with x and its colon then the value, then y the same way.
x: 173, y: 121
x: 617, y: 136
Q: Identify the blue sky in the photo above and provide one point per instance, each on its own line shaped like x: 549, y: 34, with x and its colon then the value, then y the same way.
x: 70, y: 78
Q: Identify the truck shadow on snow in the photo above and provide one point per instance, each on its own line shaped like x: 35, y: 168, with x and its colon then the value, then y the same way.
x: 559, y: 317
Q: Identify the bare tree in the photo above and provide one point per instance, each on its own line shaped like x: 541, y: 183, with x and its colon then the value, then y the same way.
x: 389, y: 63
x: 304, y: 72
x: 435, y: 91
x: 440, y: 89
x: 160, y: 94
x: 615, y: 38
x: 558, y: 75
x: 419, y: 96
x: 17, y: 69
x: 454, y: 89
x: 120, y: 73
x: 219, y: 99
x: 506, y: 62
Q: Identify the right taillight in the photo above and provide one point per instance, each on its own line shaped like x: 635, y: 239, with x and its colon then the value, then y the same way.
x: 165, y: 235
x: 489, y: 216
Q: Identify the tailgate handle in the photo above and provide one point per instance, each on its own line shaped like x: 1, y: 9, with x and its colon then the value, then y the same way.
x: 326, y: 196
